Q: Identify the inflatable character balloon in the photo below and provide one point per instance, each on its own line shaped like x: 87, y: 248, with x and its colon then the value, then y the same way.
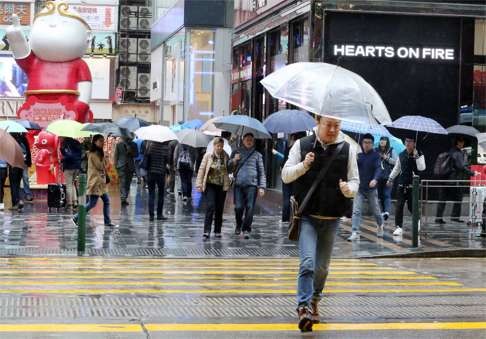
x: 47, y: 159
x: 59, y: 85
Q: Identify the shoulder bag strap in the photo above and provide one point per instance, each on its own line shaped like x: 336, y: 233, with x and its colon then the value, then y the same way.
x: 242, y: 162
x: 321, y: 175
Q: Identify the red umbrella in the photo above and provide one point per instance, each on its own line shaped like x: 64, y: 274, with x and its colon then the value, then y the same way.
x: 10, y: 150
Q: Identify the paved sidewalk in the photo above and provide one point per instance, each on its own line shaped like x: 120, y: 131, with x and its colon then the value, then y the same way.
x: 37, y: 232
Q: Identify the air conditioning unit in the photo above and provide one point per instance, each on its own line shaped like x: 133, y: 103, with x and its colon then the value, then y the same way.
x: 128, y: 24
x: 144, y: 24
x: 144, y: 57
x: 128, y: 77
x: 143, y: 45
x: 145, y: 12
x: 143, y: 85
x: 128, y: 45
x: 128, y: 11
x: 125, y: 57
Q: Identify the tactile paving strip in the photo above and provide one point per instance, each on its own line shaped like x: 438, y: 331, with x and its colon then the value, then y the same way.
x: 159, y: 252
x: 234, y: 309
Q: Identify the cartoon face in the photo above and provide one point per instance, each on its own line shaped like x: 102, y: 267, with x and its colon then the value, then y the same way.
x: 46, y: 140
x: 59, y: 38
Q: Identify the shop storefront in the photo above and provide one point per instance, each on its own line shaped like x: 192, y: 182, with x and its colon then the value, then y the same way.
x: 190, y: 58
x: 423, y: 57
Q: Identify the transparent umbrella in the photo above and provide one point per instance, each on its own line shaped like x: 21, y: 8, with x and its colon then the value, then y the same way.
x: 327, y: 90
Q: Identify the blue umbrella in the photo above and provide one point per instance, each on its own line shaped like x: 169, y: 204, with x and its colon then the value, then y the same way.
x: 418, y: 123
x: 395, y: 142
x: 242, y: 124
x: 289, y: 121
x: 192, y: 124
x: 362, y: 128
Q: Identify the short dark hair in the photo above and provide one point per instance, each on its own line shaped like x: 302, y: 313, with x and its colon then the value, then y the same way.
x: 368, y: 136
x: 248, y: 133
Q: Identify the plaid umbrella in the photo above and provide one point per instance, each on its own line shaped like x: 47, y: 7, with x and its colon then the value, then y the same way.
x: 362, y: 128
x: 417, y: 124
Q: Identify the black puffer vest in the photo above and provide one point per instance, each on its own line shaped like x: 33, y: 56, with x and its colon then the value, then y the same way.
x: 327, y: 200
x: 408, y: 166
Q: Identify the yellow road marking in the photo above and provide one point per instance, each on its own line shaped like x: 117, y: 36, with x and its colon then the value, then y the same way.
x: 163, y: 268
x: 172, y: 266
x: 222, y: 272
x: 233, y: 291
x: 221, y: 283
x: 101, y: 276
x: 274, y: 327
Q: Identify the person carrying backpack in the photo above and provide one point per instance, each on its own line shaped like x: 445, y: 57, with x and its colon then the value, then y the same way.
x: 452, y: 166
x: 185, y: 159
x: 71, y: 165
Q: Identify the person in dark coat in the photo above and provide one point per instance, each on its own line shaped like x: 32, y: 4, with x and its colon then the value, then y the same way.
x: 460, y: 171
x: 156, y: 159
x: 71, y: 165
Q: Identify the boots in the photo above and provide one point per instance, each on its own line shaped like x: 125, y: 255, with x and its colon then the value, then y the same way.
x: 305, y: 319
x: 315, y: 311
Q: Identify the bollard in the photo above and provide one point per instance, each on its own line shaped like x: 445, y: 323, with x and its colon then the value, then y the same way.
x: 415, y: 211
x: 82, y: 214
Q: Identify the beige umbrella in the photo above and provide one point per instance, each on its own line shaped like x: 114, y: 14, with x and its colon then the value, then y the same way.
x: 209, y: 129
x: 10, y: 150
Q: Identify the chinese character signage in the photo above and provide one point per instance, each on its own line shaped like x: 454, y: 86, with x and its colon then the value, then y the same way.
x: 100, y: 18
x: 9, y: 8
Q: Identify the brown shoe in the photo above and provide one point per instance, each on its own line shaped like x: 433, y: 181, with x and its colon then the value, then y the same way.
x: 315, y: 311
x: 305, y: 319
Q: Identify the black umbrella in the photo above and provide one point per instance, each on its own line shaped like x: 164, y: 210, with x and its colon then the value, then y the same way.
x: 463, y: 130
x: 106, y: 128
x: 29, y: 124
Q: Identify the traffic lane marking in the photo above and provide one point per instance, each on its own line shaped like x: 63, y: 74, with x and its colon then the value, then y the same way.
x: 237, y: 327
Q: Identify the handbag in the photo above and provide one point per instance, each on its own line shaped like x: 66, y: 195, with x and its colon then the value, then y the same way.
x: 296, y: 210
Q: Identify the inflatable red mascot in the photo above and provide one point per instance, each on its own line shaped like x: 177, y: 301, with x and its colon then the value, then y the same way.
x: 59, y: 85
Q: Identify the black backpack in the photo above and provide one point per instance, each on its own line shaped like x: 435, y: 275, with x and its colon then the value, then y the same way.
x: 444, y: 165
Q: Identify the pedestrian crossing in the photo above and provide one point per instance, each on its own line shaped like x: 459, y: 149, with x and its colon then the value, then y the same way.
x: 265, y: 276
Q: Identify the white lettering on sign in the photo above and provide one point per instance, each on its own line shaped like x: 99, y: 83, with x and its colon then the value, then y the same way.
x: 389, y: 52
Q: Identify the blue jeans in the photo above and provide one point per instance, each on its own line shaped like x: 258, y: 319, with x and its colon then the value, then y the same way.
x: 384, y: 194
x: 372, y: 196
x: 245, y: 197
x: 92, y: 200
x: 25, y: 178
x: 316, y: 240
x: 286, y: 193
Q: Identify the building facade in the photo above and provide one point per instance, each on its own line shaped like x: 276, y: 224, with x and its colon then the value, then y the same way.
x: 423, y: 57
x: 191, y: 55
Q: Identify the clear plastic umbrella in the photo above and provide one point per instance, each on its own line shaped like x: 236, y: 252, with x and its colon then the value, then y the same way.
x: 157, y: 133
x: 193, y: 138
x: 226, y: 147
x: 327, y: 90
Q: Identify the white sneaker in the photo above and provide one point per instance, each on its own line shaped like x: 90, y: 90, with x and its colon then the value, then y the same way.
x: 354, y: 236
x: 398, y: 231
x: 380, y: 231
x: 2, y: 206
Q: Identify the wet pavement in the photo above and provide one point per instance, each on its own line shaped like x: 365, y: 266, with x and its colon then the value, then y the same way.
x: 54, y: 297
x: 158, y: 279
x: 37, y: 232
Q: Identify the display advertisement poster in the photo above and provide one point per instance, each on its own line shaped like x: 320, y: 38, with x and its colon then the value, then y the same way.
x: 22, y: 9
x: 99, y: 18
x: 102, y: 44
x: 100, y: 74
x: 13, y: 81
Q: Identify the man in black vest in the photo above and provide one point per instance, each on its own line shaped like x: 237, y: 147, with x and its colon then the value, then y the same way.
x: 410, y: 162
x: 321, y: 216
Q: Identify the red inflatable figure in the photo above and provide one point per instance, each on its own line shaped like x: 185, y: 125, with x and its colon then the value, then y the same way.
x: 47, y: 159
x: 59, y: 84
